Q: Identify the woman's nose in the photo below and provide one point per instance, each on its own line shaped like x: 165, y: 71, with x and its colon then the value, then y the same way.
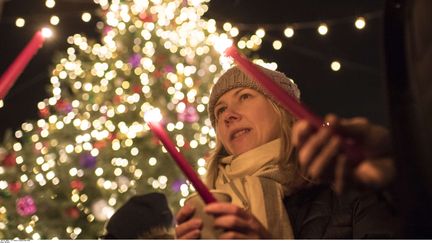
x: 230, y: 116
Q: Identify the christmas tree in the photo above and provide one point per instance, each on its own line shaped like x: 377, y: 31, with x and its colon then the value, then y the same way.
x: 65, y: 174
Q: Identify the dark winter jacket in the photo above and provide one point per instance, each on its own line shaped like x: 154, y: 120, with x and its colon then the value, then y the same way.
x: 318, y: 213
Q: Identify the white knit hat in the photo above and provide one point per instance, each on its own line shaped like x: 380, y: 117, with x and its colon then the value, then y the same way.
x: 235, y: 78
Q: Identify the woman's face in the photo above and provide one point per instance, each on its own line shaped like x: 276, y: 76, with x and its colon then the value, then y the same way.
x: 245, y: 119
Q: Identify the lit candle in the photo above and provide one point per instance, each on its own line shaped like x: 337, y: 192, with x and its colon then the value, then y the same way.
x: 289, y: 103
x: 152, y: 118
x: 9, y: 77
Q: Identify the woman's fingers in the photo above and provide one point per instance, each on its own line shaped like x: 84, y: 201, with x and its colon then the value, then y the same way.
x: 322, y: 165
x: 301, y: 132
x: 220, y: 208
x: 194, y: 234
x: 232, y: 222
x: 312, y: 147
x: 317, y: 149
x: 185, y: 213
x: 237, y: 223
x: 236, y: 235
x: 188, y: 227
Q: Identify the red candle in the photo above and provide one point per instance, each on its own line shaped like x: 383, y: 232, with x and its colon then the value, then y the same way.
x: 181, y: 161
x: 289, y: 103
x: 285, y: 99
x: 15, y: 69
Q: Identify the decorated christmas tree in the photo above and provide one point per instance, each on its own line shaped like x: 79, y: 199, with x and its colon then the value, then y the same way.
x: 64, y: 175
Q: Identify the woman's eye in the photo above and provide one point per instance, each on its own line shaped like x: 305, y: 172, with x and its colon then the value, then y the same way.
x: 245, y: 96
x: 219, y: 111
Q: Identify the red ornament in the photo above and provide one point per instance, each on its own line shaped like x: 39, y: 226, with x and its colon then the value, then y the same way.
x: 73, y: 212
x: 186, y: 146
x: 157, y: 74
x: 14, y: 187
x: 44, y: 113
x: 117, y: 99
x: 137, y: 88
x: 146, y: 17
x: 63, y: 106
x: 112, y: 136
x: 100, y: 144
x: 77, y: 184
x: 9, y: 160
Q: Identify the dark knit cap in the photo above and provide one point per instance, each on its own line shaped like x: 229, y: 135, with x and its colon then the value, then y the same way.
x: 138, y: 215
x: 235, y: 78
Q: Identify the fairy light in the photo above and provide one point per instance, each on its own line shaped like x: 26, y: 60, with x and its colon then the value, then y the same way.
x: 227, y: 26
x: 20, y: 22
x: 289, y: 32
x: 234, y: 31
x: 277, y: 44
x: 86, y: 17
x: 322, y: 29
x: 260, y: 33
x: 335, y: 66
x: 50, y: 3
x: 360, y: 23
x: 54, y: 20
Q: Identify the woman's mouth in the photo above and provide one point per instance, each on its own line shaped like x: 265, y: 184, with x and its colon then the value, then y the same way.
x: 239, y: 133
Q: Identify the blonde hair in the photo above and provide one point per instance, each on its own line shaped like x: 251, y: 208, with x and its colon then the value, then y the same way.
x: 287, y: 152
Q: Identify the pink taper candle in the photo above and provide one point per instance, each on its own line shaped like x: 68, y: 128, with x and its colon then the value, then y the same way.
x: 9, y: 77
x: 289, y: 103
x: 181, y: 161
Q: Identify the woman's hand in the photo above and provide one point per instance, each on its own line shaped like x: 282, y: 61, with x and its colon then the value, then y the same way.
x: 236, y: 222
x: 321, y: 159
x: 187, y: 227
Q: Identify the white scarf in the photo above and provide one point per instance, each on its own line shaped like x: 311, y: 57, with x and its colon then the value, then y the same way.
x: 255, y: 182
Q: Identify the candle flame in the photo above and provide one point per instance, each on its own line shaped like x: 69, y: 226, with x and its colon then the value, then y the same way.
x: 222, y: 43
x: 46, y: 32
x: 153, y: 115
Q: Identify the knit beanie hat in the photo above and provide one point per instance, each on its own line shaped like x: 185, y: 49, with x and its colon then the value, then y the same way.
x: 235, y: 78
x: 139, y: 215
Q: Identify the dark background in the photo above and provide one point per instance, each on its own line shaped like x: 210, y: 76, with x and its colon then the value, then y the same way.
x: 358, y: 89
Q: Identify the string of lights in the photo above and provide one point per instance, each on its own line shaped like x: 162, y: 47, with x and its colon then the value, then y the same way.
x: 253, y: 34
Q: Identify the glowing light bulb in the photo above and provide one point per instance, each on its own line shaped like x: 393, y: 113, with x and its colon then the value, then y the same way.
x: 360, y: 23
x: 335, y: 66
x: 54, y: 20
x: 322, y: 29
x: 50, y: 3
x: 289, y: 32
x: 86, y: 17
x: 277, y: 44
x: 20, y: 22
x: 260, y: 32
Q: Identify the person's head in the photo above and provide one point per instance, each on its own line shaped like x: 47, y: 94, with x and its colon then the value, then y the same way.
x: 245, y: 116
x: 142, y: 217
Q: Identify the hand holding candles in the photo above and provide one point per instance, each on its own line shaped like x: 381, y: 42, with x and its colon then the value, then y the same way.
x: 15, y: 69
x: 153, y: 117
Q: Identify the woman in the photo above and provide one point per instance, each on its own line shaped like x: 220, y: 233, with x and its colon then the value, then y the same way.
x: 254, y: 161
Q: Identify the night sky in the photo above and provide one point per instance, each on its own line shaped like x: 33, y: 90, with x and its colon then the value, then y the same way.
x: 357, y: 89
